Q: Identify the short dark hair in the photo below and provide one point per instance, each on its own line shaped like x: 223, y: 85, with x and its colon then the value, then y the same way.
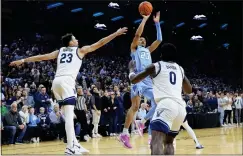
x: 66, y: 39
x: 168, y: 52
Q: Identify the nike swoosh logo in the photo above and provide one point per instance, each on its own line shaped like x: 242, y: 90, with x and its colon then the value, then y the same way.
x: 71, y: 151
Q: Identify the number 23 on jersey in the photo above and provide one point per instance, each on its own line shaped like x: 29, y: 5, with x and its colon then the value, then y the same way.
x: 66, y: 58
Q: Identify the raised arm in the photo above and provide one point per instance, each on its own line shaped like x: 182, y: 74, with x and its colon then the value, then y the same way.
x: 138, y: 33
x: 36, y: 58
x: 159, y: 39
x: 135, y: 78
x: 90, y: 48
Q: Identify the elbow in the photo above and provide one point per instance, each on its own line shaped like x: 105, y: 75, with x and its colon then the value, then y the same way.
x: 134, y: 81
x: 137, y: 35
x: 101, y: 43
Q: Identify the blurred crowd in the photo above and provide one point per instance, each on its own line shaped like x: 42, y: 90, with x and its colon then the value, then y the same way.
x: 30, y: 112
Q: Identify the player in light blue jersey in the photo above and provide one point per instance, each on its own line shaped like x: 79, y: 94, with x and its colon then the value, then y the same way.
x: 142, y: 55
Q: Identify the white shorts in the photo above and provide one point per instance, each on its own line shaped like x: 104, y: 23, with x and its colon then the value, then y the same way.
x: 168, y: 117
x: 63, y: 88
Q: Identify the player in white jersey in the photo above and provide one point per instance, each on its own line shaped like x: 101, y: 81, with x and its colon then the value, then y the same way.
x: 168, y: 80
x: 69, y: 60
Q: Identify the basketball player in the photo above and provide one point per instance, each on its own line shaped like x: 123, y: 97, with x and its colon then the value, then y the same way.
x: 142, y: 55
x: 192, y: 134
x: 169, y: 78
x: 69, y: 60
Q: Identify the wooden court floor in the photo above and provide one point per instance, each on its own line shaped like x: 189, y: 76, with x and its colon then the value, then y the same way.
x: 226, y: 140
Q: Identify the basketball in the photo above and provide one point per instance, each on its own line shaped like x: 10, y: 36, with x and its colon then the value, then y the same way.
x: 145, y: 8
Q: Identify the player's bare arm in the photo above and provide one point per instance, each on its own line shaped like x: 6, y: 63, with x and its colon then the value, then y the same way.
x: 139, y: 33
x: 90, y: 48
x: 186, y: 85
x: 37, y: 58
x: 159, y: 39
x: 135, y: 78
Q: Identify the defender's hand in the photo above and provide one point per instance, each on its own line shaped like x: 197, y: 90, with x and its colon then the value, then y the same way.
x: 16, y: 63
x: 121, y: 31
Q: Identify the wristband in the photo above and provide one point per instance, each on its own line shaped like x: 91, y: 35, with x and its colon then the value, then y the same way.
x: 132, y: 73
x: 22, y: 60
x: 159, y: 33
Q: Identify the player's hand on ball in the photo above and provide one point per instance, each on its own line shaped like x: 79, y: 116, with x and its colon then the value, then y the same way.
x: 157, y: 17
x: 121, y: 31
x: 146, y: 17
x: 16, y: 63
x: 132, y: 65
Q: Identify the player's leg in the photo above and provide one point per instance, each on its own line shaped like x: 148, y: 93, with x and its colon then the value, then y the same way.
x: 160, y: 125
x: 192, y: 134
x: 148, y: 94
x: 157, y: 143
x: 169, y: 148
x: 124, y: 137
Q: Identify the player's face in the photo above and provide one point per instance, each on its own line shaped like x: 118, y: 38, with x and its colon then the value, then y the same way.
x: 74, y: 41
x: 142, y: 41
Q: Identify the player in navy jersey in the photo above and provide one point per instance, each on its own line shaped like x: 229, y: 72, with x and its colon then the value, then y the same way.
x: 142, y: 55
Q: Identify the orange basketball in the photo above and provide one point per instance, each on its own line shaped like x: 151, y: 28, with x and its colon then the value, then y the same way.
x: 145, y: 8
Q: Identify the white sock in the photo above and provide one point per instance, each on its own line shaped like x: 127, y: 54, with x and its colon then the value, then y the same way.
x: 96, y: 128
x: 190, y: 132
x: 75, y: 141
x: 125, y: 131
x: 69, y: 125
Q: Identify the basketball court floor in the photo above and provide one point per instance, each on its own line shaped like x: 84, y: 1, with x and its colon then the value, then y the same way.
x: 226, y: 140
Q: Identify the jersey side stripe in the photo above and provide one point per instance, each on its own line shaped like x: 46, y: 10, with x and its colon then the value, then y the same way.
x: 78, y: 55
x: 159, y: 70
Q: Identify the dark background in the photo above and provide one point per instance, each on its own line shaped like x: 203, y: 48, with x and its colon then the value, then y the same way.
x: 23, y: 19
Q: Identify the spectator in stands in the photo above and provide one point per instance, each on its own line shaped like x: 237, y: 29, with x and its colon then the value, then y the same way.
x: 127, y: 99
x: 35, y: 73
x: 105, y: 104
x: 28, y: 100
x: 80, y: 110
x: 24, y: 114
x: 13, y: 125
x: 96, y: 111
x: 228, y: 109
x: 19, y: 99
x: 120, y: 112
x: 44, y: 123
x: 238, y: 103
x: 212, y: 101
x: 4, y: 109
x: 43, y: 100
x: 112, y: 110
x: 189, y: 105
x: 33, y: 131
x: 198, y: 105
x: 221, y: 107
x: 142, y: 111
x: 57, y: 122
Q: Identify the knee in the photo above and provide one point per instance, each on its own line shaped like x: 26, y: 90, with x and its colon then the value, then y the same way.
x: 12, y: 129
x: 135, y: 107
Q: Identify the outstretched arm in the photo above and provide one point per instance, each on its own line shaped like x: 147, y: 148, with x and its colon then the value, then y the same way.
x: 138, y: 33
x: 135, y: 78
x: 157, y: 42
x: 90, y: 48
x: 36, y: 58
